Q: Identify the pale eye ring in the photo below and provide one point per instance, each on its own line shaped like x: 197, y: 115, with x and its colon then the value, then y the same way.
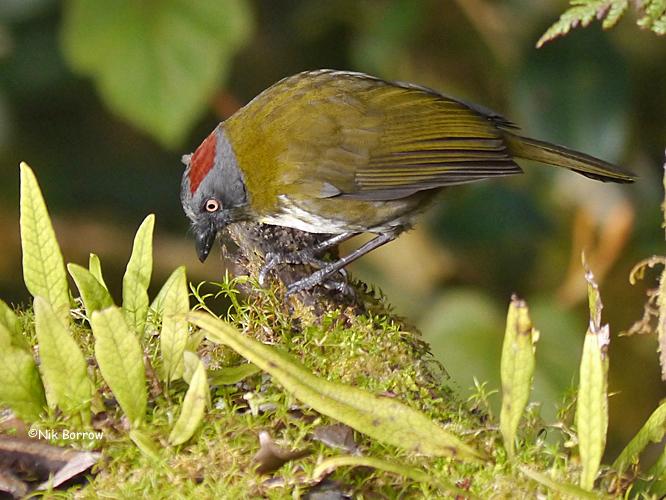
x: 212, y: 205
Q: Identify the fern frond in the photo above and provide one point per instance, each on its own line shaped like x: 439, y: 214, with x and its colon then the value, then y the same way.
x: 654, y: 16
x: 615, y: 11
x: 583, y: 12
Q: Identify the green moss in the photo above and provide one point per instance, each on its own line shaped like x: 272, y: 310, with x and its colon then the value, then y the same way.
x: 363, y: 346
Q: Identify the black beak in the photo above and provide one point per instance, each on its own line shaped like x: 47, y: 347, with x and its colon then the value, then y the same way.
x: 204, y: 242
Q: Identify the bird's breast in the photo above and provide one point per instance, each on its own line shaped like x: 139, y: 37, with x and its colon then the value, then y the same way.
x: 340, y: 215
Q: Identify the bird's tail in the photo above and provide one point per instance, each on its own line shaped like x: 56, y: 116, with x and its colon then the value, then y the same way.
x: 559, y: 156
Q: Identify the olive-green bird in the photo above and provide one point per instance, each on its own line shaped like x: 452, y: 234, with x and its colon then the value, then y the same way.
x: 345, y: 153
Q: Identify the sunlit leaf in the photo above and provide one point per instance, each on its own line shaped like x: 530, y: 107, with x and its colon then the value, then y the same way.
x: 517, y: 369
x: 120, y: 359
x: 95, y: 268
x: 173, y: 336
x: 9, y: 319
x: 592, y: 401
x: 384, y: 419
x: 63, y: 366
x: 192, y: 410
x: 157, y: 64
x: 95, y: 296
x: 137, y: 276
x: 12, y: 327
x: 20, y: 386
x: 43, y: 266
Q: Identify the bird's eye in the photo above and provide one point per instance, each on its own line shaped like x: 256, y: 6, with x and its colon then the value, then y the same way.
x: 212, y: 205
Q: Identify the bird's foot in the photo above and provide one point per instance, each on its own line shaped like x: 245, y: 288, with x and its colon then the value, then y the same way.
x: 273, y: 260
x: 323, y: 277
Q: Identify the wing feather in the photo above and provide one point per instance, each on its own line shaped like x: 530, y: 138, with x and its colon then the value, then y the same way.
x: 355, y: 136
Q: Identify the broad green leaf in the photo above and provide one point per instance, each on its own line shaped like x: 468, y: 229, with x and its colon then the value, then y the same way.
x: 517, y: 370
x: 63, y: 366
x: 384, y: 419
x: 592, y: 401
x: 120, y: 359
x: 11, y: 333
x: 157, y: 64
x: 192, y: 410
x: 652, y: 432
x: 20, y: 386
x: 327, y: 466
x: 230, y: 375
x: 568, y: 489
x: 43, y: 267
x: 145, y: 444
x: 95, y: 268
x: 95, y: 296
x: 137, y: 276
x: 173, y: 336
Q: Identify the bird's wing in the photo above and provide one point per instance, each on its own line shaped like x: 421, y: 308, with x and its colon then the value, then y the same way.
x: 355, y: 136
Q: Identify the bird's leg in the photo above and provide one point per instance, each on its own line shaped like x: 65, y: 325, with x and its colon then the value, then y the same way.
x: 317, y: 277
x: 304, y: 256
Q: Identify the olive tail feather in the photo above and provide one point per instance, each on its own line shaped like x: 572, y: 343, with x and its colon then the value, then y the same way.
x: 559, y: 156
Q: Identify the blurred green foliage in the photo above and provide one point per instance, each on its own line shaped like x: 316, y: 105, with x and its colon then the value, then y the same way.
x: 90, y: 95
x: 155, y: 64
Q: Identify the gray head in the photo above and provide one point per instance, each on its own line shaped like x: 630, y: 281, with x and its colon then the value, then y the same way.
x: 212, y: 191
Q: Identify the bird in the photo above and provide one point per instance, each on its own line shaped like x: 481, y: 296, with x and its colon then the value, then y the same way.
x: 343, y: 153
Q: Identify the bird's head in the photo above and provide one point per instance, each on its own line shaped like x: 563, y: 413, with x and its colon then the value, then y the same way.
x: 212, y: 192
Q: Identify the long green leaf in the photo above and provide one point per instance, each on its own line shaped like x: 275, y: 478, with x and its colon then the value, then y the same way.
x: 652, y: 431
x: 95, y: 268
x: 120, y: 360
x: 95, y: 296
x: 517, y: 369
x: 137, y: 276
x: 43, y: 266
x: 21, y: 388
x: 173, y: 336
x: 63, y: 366
x: 384, y: 419
x: 592, y: 401
x: 192, y: 411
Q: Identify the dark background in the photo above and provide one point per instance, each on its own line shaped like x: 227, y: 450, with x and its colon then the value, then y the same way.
x: 452, y: 276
